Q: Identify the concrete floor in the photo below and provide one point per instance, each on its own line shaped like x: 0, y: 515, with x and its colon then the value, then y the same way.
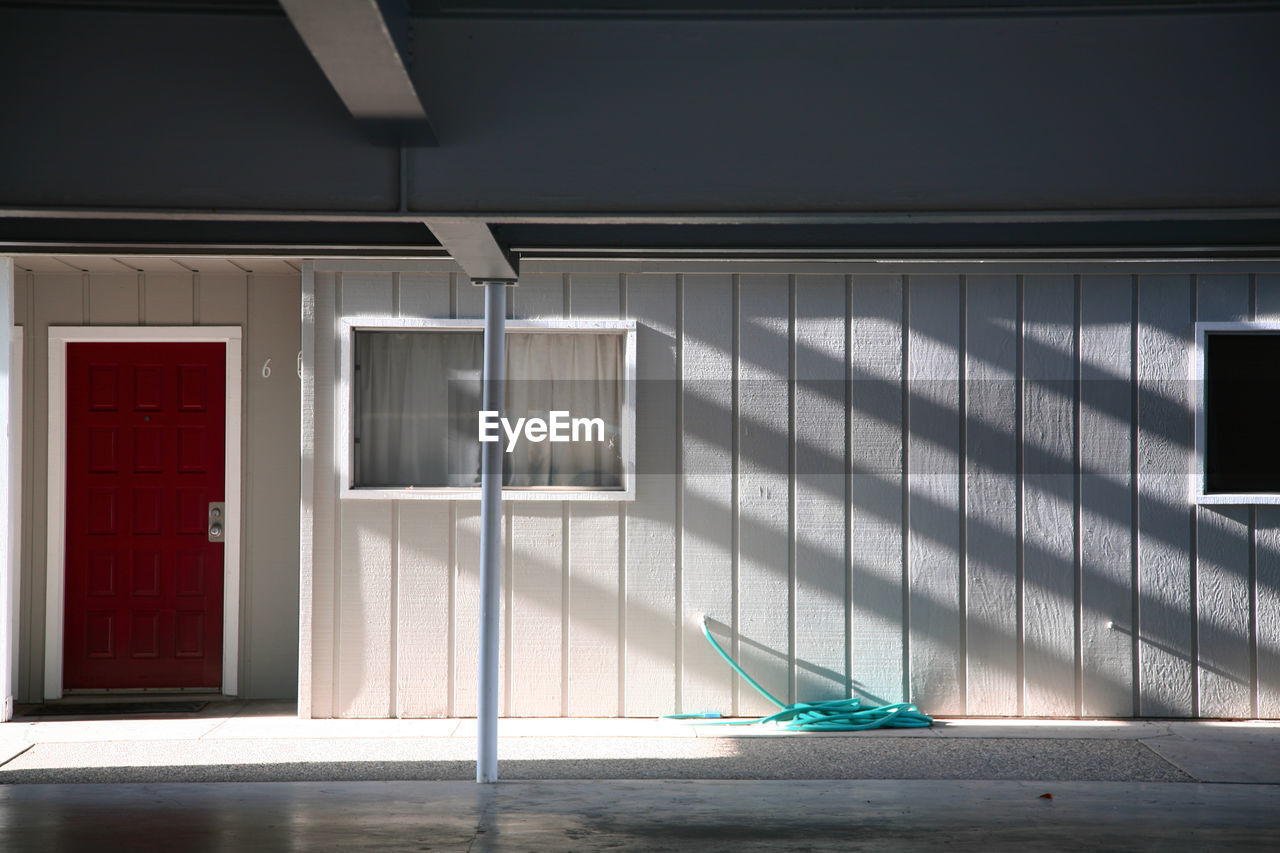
x: 265, y: 780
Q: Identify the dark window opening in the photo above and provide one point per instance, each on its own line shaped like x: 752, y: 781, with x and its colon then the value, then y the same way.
x: 1242, y: 401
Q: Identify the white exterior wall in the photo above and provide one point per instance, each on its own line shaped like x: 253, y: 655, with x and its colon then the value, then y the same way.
x: 184, y: 292
x: 952, y: 503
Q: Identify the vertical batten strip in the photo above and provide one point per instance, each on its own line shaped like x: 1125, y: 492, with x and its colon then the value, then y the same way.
x: 451, y: 701
x: 908, y: 695
x: 791, y: 592
x: 34, y: 344
x: 1266, y: 562
x: 1077, y: 644
x: 962, y: 496
x: 735, y: 494
x: 679, y: 455
x: 846, y: 355
x: 322, y: 633
x: 1193, y: 608
x: 621, y: 590
x: 1019, y: 419
x: 1253, y: 553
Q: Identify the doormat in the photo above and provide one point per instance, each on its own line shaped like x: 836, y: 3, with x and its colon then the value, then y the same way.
x: 111, y: 709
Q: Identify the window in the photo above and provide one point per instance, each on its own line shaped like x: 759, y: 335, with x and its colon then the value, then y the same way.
x: 1239, y: 398
x: 413, y: 422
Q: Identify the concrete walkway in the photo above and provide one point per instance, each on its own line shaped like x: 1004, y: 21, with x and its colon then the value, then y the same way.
x: 273, y: 781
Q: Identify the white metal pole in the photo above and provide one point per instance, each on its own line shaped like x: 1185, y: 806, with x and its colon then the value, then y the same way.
x: 495, y: 327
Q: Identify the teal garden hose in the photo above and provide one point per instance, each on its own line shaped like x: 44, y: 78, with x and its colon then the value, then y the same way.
x: 837, y: 715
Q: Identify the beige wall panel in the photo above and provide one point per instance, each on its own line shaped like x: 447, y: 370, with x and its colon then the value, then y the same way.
x: 59, y: 300
x: 20, y: 303
x: 168, y: 299
x: 270, y: 568
x: 221, y: 299
x: 113, y: 299
x: 269, y: 434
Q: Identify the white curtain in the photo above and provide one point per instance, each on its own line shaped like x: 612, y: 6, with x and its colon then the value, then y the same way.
x: 417, y: 398
x: 576, y: 373
x: 415, y: 393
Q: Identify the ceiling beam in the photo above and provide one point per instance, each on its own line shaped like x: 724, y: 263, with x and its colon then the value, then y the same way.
x: 473, y: 246
x: 360, y: 46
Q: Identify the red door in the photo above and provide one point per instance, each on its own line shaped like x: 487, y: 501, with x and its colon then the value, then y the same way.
x: 146, y: 426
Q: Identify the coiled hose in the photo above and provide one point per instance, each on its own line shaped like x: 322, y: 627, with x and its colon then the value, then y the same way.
x: 837, y: 715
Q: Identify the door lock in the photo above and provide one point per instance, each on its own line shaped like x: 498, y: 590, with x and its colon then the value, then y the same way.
x: 217, y: 521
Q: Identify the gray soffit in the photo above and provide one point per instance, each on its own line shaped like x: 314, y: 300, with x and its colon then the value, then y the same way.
x: 360, y: 46
x: 679, y: 8
x: 486, y: 247
x: 794, y: 8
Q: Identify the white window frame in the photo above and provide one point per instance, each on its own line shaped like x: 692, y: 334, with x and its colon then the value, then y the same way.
x: 55, y: 579
x: 1203, y: 330
x: 345, y: 449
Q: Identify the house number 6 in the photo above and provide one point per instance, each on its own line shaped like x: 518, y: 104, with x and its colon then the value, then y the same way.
x: 266, y: 369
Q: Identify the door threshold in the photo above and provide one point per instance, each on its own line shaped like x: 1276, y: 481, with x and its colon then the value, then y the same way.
x: 142, y: 691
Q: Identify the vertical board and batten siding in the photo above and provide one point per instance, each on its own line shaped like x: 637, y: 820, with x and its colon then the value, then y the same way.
x: 1049, y: 527
x: 167, y: 293
x: 1106, y: 494
x: 970, y: 491
x: 1164, y: 621
x: 764, y: 641
x: 708, y: 580
x: 991, y: 494
x: 877, y: 399
x: 935, y: 508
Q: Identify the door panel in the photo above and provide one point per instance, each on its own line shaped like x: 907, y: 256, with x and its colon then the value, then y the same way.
x: 146, y: 452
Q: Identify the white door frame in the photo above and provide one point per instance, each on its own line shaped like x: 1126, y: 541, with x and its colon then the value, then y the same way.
x: 59, y: 337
